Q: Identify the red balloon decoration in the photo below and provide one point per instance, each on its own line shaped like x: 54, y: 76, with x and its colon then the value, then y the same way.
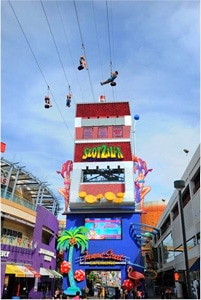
x: 127, y: 284
x: 65, y: 267
x: 79, y: 275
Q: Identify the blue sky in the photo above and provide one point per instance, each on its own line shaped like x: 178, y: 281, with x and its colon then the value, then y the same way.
x: 154, y: 45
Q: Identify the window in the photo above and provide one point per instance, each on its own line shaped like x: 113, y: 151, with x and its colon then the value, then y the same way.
x: 88, y: 132
x: 47, y: 235
x: 191, y: 243
x: 102, y: 132
x: 175, y: 212
x: 165, y: 225
x: 103, y: 175
x: 117, y: 131
x: 198, y: 237
x: 186, y: 196
x: 178, y: 250
x: 168, y: 251
x: 196, y: 182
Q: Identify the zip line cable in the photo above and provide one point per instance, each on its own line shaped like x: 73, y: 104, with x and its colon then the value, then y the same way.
x: 38, y: 65
x: 99, y: 52
x: 62, y: 24
x: 113, y: 90
x: 109, y: 40
x: 54, y: 41
x: 82, y: 42
x: 28, y: 43
x: 108, y: 27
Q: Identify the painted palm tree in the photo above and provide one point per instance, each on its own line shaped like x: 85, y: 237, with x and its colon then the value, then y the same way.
x: 76, y: 236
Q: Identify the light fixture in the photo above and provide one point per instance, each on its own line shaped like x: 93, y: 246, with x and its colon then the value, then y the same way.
x: 179, y: 185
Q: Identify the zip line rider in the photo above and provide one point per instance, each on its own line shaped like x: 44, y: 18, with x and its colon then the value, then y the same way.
x: 111, y: 79
x: 83, y: 63
x: 47, y: 102
x: 68, y: 100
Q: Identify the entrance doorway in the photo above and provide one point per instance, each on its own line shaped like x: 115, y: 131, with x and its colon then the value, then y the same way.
x: 99, y: 282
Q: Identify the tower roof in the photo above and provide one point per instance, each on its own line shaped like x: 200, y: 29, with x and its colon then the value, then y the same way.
x: 111, y: 109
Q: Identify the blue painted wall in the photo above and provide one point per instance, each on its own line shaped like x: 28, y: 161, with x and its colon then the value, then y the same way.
x: 125, y: 246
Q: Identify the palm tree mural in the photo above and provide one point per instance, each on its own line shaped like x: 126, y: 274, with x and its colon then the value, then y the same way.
x: 75, y: 236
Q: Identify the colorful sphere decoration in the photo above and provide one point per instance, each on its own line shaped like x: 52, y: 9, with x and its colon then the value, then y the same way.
x: 65, y: 267
x: 127, y: 284
x: 79, y: 275
x: 136, y: 117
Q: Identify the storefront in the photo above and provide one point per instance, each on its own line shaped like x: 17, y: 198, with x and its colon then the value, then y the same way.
x: 26, y: 271
x: 110, y: 253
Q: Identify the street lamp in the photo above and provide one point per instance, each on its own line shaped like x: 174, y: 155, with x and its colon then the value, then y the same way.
x: 179, y: 185
x: 136, y: 118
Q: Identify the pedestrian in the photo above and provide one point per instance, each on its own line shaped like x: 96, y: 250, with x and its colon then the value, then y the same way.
x: 77, y: 295
x: 57, y: 293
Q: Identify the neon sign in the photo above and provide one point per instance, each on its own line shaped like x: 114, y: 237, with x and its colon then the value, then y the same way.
x: 102, y: 258
x: 102, y: 152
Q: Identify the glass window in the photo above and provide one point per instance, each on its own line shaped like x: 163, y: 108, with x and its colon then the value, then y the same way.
x: 178, y: 250
x: 117, y: 131
x: 175, y: 212
x: 88, y: 132
x: 196, y: 182
x: 103, y: 175
x: 191, y: 243
x: 165, y: 225
x: 186, y: 196
x: 198, y: 237
x: 168, y: 251
x: 102, y: 132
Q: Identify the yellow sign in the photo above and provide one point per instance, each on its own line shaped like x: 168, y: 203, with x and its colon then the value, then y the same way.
x: 102, y: 152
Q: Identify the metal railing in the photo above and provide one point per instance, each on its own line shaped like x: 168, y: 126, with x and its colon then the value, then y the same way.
x: 18, y: 200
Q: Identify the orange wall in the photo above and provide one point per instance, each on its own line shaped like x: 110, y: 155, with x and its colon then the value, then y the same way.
x: 153, y: 213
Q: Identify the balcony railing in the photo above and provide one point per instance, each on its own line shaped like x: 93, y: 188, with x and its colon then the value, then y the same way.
x: 18, y: 200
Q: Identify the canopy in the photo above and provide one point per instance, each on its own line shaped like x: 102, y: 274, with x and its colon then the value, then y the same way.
x: 35, y: 273
x: 55, y: 273
x: 16, y: 270
x: 46, y: 272
x: 27, y: 272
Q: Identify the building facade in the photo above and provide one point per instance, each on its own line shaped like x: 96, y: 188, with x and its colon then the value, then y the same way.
x: 169, y: 241
x: 29, y: 230
x: 102, y: 199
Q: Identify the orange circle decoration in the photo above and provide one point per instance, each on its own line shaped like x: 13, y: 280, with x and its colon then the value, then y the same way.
x: 120, y: 195
x: 82, y: 195
x: 109, y: 196
x: 90, y: 199
x: 99, y: 197
x: 118, y: 200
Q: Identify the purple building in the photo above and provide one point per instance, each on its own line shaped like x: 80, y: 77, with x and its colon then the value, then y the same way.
x: 28, y: 234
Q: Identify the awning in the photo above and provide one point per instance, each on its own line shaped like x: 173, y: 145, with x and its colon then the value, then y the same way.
x: 35, y: 273
x: 27, y: 272
x: 14, y: 269
x: 45, y: 272
x: 55, y: 273
x: 196, y: 265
